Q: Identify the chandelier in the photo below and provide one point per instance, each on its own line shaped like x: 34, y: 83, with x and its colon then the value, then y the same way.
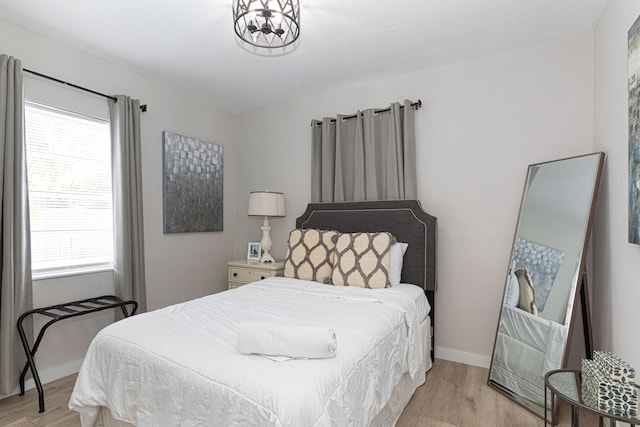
x: 267, y: 23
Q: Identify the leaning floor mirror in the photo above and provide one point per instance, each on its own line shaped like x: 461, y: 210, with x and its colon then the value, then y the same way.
x: 545, y: 275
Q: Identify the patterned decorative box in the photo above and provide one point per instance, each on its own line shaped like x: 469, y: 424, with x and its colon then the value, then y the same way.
x: 590, y: 383
x: 612, y: 397
x: 613, y: 367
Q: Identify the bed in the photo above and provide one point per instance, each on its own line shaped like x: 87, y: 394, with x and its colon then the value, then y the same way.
x: 180, y: 365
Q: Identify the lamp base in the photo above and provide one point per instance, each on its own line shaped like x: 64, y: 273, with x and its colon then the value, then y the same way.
x: 266, y: 258
x: 265, y: 243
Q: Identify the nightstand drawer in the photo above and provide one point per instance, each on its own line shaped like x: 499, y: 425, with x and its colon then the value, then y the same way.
x: 233, y: 285
x: 245, y: 275
x: 242, y: 272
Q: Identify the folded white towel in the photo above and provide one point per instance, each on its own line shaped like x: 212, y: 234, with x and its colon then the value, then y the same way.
x: 273, y: 339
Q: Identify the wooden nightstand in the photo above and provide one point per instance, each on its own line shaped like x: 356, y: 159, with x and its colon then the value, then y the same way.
x: 242, y: 271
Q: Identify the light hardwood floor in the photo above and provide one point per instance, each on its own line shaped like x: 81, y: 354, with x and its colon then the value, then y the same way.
x: 454, y: 395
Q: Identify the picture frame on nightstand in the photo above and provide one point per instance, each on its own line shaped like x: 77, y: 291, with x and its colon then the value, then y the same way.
x: 254, y: 250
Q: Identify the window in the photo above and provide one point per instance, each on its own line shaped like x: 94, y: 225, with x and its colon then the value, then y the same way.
x: 69, y: 167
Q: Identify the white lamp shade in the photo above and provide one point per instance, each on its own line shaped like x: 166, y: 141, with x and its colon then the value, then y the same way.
x: 266, y: 203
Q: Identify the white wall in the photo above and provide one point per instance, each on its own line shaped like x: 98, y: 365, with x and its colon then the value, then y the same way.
x: 178, y: 267
x: 482, y: 123
x: 616, y: 288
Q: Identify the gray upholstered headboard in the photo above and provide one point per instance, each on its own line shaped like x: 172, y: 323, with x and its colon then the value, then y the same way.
x: 405, y: 219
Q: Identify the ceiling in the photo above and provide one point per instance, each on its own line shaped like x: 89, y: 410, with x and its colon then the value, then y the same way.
x: 191, y: 45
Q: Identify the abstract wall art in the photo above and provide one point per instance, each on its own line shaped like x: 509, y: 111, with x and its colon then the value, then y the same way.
x: 193, y: 184
x: 633, y: 79
x: 542, y: 263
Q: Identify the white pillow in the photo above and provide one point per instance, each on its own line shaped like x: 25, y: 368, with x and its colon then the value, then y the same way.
x: 512, y: 296
x: 395, y: 262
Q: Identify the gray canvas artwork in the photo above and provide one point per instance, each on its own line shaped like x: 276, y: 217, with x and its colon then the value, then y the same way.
x: 634, y: 131
x: 193, y: 184
x: 542, y: 263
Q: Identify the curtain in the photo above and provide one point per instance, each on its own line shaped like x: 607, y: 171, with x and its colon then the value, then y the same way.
x: 369, y: 157
x: 129, y: 274
x: 15, y: 247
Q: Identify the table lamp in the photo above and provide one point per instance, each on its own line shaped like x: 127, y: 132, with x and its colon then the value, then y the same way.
x: 266, y: 204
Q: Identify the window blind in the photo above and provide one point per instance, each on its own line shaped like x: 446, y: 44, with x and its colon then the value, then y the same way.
x: 69, y: 168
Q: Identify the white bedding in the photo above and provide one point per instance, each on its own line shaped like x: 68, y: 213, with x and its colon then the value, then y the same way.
x: 527, y: 347
x: 180, y: 365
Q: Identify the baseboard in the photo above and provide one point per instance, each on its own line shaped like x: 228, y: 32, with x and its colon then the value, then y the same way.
x: 463, y: 357
x: 49, y: 375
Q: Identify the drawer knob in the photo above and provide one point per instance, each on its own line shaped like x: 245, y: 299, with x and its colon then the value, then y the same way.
x: 262, y: 277
x: 235, y: 274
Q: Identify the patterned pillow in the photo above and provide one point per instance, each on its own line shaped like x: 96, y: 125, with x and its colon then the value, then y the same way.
x: 527, y: 294
x: 362, y: 260
x: 310, y: 254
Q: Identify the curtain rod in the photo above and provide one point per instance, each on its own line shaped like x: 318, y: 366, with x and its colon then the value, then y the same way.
x: 416, y: 106
x: 143, y: 107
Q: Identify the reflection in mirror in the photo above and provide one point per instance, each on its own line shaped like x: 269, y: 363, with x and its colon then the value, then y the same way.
x: 544, y: 276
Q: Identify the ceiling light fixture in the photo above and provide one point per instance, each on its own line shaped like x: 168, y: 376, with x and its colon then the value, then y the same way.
x: 267, y: 23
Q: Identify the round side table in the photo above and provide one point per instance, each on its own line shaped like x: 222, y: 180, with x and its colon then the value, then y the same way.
x: 567, y: 385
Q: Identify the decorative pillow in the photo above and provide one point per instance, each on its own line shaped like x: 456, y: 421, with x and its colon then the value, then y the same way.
x: 512, y: 297
x: 310, y: 254
x: 527, y: 295
x: 362, y: 260
x: 395, y: 262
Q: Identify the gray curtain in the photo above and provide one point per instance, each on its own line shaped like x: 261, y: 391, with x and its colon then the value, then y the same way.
x: 369, y: 157
x: 15, y: 249
x: 126, y: 149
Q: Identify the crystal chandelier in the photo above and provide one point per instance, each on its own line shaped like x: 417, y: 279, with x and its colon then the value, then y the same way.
x: 267, y: 23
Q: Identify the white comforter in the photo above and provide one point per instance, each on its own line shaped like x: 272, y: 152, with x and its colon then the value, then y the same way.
x: 180, y: 365
x: 527, y: 347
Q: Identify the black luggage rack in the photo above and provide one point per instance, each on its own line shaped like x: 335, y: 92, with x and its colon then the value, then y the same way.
x: 60, y: 312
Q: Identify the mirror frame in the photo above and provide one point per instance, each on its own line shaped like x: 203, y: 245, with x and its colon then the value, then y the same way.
x: 578, y: 286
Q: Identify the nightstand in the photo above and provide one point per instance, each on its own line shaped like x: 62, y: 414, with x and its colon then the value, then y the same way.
x: 241, y: 272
